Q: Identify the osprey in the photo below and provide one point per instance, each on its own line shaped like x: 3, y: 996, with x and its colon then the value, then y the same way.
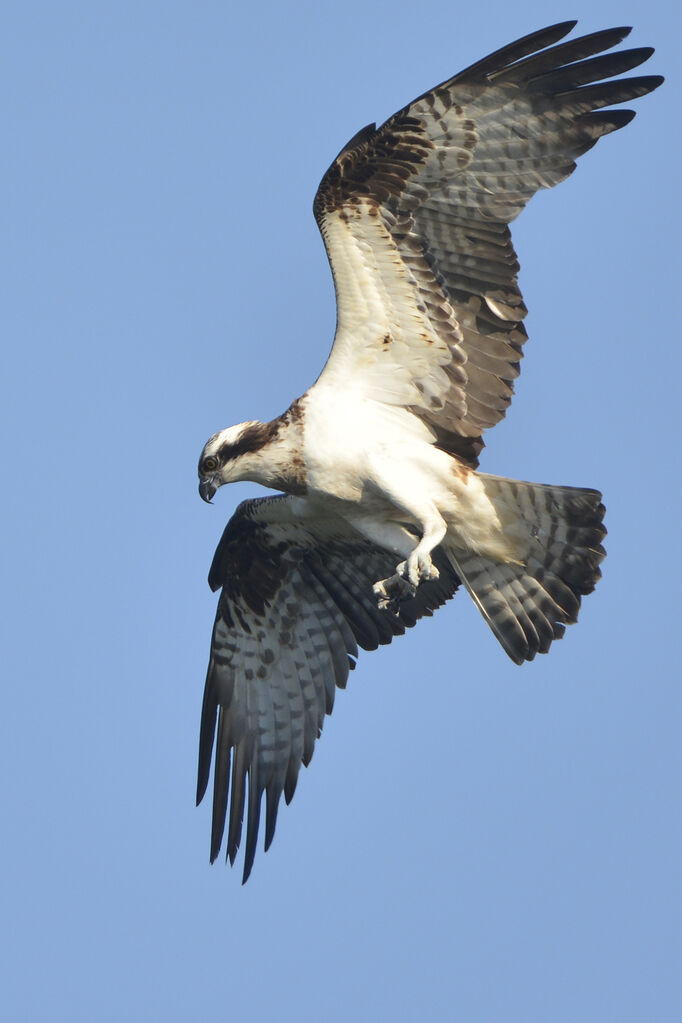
x: 384, y: 514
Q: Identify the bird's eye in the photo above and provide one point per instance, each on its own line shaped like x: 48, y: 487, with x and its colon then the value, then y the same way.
x: 209, y: 464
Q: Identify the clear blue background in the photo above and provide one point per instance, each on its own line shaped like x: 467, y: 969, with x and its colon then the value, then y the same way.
x: 473, y: 841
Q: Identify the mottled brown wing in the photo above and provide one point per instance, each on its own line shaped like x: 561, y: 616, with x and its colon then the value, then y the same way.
x: 296, y: 603
x: 415, y: 219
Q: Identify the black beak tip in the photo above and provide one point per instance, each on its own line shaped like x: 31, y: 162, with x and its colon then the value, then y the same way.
x: 206, y: 490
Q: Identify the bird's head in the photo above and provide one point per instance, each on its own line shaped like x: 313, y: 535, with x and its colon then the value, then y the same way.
x: 229, y: 456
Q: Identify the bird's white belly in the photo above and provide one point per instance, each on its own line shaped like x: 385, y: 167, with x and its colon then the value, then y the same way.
x: 378, y: 461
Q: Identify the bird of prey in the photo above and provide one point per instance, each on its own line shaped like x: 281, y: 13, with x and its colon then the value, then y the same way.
x: 383, y: 513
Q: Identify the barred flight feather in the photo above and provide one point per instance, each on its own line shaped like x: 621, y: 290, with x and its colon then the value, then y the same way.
x: 378, y: 458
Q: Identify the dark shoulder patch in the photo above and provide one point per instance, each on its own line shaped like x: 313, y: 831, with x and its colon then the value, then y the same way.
x: 375, y: 165
x: 249, y: 563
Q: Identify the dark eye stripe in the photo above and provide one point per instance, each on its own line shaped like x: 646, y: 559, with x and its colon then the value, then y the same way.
x: 252, y: 439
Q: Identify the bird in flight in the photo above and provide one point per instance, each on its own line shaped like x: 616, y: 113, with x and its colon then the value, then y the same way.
x: 383, y: 514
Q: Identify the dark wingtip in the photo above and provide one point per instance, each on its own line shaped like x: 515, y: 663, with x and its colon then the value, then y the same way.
x: 215, y: 847
x: 271, y: 805
x: 560, y: 29
x: 203, y: 774
x: 615, y: 119
x: 643, y: 53
x: 640, y: 86
x: 611, y: 36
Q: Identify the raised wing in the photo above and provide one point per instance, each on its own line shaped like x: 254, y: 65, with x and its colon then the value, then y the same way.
x: 296, y: 603
x: 415, y: 216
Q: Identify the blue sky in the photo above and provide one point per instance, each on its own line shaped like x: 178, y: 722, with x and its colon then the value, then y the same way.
x: 472, y: 841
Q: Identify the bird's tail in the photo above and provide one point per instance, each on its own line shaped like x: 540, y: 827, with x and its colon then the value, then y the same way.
x: 556, y: 534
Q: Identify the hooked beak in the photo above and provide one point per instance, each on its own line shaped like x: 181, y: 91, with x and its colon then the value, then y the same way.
x: 206, y: 489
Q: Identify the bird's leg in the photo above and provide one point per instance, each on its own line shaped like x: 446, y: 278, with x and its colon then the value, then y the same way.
x: 417, y: 564
x: 393, y: 537
x: 398, y: 482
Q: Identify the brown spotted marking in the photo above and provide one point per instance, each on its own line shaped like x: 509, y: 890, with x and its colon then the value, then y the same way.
x: 461, y: 471
x: 296, y: 481
x: 374, y: 165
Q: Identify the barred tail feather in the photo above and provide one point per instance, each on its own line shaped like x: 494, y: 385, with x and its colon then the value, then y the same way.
x: 557, y: 534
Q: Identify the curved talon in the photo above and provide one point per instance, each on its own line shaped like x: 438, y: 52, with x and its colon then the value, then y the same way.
x: 390, y: 592
x: 403, y: 585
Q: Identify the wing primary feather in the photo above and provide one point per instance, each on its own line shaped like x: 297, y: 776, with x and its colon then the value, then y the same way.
x: 290, y: 784
x: 605, y: 121
x: 272, y: 798
x: 553, y: 59
x: 516, y: 51
x: 253, y: 819
x: 593, y: 70
x: 591, y: 97
x: 209, y: 713
x: 221, y: 784
x: 241, y: 758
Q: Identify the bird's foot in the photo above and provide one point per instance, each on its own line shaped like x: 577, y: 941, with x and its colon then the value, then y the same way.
x: 417, y: 568
x: 403, y: 585
x: 390, y: 592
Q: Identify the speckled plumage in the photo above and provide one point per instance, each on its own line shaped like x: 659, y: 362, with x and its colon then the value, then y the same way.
x: 378, y: 459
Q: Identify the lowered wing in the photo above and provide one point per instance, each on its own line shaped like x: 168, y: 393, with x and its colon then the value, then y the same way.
x: 296, y: 603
